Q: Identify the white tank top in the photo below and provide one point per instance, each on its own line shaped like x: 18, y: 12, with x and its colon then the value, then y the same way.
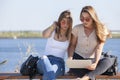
x: 56, y: 48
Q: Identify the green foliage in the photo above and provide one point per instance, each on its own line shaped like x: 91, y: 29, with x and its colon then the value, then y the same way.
x: 21, y: 34
x: 116, y: 35
x: 34, y: 34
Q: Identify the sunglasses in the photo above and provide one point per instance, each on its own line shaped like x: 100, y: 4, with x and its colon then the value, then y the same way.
x: 85, y: 19
x: 63, y: 22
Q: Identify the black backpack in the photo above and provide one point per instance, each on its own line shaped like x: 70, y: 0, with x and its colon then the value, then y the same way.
x: 29, y: 67
x: 113, y: 70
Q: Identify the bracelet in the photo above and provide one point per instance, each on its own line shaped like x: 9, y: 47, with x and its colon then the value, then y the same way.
x: 51, y: 27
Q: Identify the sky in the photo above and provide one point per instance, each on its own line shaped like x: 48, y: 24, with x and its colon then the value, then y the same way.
x: 37, y: 15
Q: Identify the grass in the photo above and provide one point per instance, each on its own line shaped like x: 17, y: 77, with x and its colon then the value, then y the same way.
x: 33, y: 34
x: 21, y: 34
x: 116, y: 35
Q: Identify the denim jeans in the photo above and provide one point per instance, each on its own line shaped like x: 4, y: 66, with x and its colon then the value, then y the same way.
x: 45, y: 67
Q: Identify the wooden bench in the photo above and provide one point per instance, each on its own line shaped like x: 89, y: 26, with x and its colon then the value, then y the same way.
x: 19, y: 76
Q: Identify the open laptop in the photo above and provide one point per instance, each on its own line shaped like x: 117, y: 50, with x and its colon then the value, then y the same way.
x: 78, y: 63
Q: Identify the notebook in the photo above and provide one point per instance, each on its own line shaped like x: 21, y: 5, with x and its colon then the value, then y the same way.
x: 78, y: 63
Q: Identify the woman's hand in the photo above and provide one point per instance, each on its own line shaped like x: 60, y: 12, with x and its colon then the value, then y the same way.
x: 54, y: 25
x: 47, y: 32
x: 92, y: 66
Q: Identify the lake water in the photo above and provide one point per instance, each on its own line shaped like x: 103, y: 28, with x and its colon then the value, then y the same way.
x: 15, y: 51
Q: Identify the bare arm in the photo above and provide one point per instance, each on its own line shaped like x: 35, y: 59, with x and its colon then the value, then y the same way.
x: 98, y: 52
x: 72, y: 46
x: 47, y: 32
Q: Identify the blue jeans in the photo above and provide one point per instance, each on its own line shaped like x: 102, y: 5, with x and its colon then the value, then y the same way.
x: 45, y: 67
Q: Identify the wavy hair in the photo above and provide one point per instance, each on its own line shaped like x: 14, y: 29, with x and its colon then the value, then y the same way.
x: 102, y: 32
x: 65, y: 14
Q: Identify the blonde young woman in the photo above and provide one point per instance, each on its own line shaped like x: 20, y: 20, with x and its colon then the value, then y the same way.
x: 87, y: 41
x: 52, y: 65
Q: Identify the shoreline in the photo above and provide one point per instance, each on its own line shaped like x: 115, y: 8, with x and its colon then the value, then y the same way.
x: 39, y: 38
x: 34, y: 34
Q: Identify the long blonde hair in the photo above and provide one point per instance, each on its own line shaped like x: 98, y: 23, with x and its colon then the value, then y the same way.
x: 101, y: 31
x: 65, y: 14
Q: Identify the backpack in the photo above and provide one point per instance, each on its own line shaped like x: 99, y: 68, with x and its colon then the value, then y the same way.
x: 113, y: 70
x: 29, y: 67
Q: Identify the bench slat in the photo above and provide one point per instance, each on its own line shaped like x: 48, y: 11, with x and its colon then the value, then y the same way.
x: 19, y: 76
x: 108, y: 77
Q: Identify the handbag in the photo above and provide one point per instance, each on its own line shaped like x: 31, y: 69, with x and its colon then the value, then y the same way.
x: 29, y: 67
x: 113, y: 70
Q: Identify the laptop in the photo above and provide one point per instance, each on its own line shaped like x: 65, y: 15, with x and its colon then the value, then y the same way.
x: 78, y: 63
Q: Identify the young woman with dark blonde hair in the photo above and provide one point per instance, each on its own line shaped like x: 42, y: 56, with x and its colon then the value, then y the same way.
x: 52, y: 64
x: 87, y: 41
